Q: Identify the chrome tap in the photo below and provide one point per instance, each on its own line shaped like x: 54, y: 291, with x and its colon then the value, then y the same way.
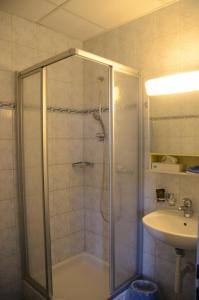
x: 186, y: 207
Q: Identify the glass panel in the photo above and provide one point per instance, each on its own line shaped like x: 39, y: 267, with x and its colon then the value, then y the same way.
x: 125, y: 176
x: 33, y: 178
x: 78, y: 94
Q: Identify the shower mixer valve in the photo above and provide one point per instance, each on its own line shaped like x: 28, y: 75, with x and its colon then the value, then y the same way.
x: 100, y: 136
x: 186, y: 207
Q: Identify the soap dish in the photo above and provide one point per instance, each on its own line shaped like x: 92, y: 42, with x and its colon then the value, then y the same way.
x: 82, y: 164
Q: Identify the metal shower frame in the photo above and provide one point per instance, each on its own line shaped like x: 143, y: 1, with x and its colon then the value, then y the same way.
x: 41, y: 68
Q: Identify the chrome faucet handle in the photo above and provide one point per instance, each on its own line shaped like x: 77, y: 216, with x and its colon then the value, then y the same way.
x: 186, y: 207
x: 187, y: 202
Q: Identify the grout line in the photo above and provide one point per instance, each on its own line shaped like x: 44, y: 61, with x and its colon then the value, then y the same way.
x: 4, y: 105
x: 67, y: 235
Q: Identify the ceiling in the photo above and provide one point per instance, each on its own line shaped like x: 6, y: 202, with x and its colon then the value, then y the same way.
x: 82, y: 19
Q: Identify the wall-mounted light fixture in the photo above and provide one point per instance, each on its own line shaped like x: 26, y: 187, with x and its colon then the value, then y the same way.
x: 173, y: 84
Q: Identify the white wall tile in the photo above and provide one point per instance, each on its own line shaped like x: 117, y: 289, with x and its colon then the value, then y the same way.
x: 22, y: 44
x: 76, y: 198
x: 9, y: 270
x: 61, y: 201
x: 62, y: 249
x: 77, y: 243
x: 6, y: 151
x: 158, y: 44
x: 7, y: 214
x: 76, y: 221
x: 60, y: 151
x: 96, y: 245
x: 166, y: 283
x: 93, y: 150
x: 93, y: 176
x: 23, y: 57
x: 75, y: 176
x: 91, y: 127
x: 59, y: 125
x: 6, y: 26
x: 95, y: 223
x: 61, y: 226
x: 148, y: 265
x: 7, y: 87
x: 92, y: 198
x: 6, y: 184
x: 60, y: 176
x: 9, y: 240
x: 6, y: 129
x: 6, y: 55
x: 76, y: 126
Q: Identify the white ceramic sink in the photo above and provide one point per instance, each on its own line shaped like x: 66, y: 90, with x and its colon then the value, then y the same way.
x: 172, y: 228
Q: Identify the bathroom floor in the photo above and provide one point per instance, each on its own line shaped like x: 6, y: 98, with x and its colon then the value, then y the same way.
x: 89, y: 272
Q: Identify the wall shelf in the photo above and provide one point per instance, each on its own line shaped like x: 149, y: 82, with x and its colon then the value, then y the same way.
x: 185, y: 160
x: 173, y: 173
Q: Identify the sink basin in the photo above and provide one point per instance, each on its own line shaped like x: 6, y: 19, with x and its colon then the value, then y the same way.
x: 172, y: 228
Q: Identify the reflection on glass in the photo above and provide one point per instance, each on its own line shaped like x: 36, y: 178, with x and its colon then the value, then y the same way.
x: 33, y: 178
x: 125, y: 176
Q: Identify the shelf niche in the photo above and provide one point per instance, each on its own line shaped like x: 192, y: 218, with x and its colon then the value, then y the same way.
x: 185, y: 160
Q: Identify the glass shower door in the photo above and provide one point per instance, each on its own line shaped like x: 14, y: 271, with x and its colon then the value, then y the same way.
x: 125, y: 179
x: 31, y: 115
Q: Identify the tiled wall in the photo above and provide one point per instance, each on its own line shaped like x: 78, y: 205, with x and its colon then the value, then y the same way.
x: 9, y: 246
x: 65, y: 145
x: 126, y: 175
x: 95, y: 151
x: 22, y: 44
x: 76, y: 223
x: 161, y: 43
x: 33, y: 175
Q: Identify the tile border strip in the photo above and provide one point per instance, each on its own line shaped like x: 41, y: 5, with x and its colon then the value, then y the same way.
x: 4, y: 105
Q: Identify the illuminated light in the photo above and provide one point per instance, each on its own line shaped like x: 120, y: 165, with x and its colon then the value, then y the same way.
x: 173, y: 84
x: 116, y: 93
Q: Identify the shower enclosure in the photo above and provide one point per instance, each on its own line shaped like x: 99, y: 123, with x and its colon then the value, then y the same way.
x: 79, y: 176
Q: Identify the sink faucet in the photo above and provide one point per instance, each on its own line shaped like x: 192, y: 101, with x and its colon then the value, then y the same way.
x: 186, y: 207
